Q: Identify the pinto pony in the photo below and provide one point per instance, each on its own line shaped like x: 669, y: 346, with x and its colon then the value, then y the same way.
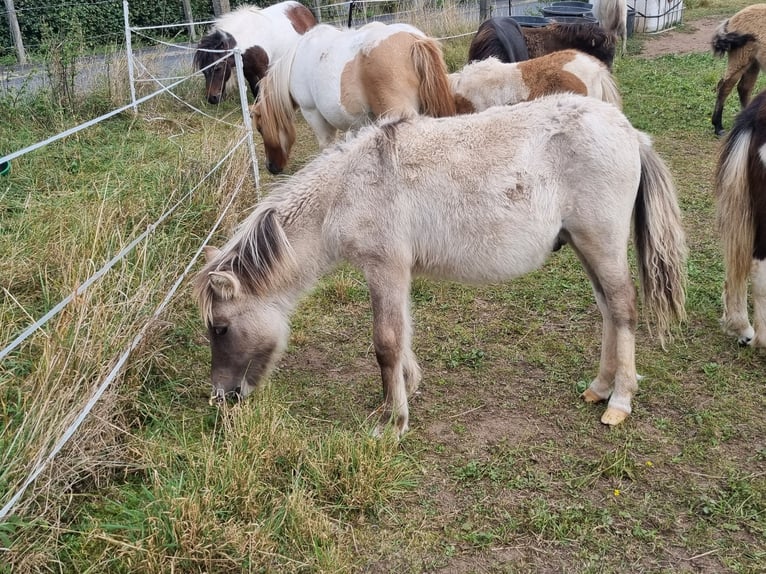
x: 344, y: 79
x: 743, y: 38
x: 741, y: 209
x: 476, y: 198
x: 500, y: 37
x: 264, y: 35
x: 485, y: 83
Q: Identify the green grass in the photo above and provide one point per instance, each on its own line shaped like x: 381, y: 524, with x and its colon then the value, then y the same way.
x: 505, y: 469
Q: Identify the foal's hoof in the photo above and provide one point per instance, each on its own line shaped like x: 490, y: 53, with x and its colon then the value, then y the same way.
x: 613, y: 416
x: 590, y: 397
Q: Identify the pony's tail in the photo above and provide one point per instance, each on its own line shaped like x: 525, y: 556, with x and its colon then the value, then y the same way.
x: 434, y: 92
x: 609, y: 91
x: 660, y: 242
x: 724, y: 41
x: 736, y: 224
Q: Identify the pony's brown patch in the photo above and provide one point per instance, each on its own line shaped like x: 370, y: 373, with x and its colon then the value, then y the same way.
x: 463, y: 105
x: 301, y: 18
x: 401, y: 76
x: 548, y: 76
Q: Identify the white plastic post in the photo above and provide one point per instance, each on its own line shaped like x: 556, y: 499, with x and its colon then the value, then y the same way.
x: 248, y: 122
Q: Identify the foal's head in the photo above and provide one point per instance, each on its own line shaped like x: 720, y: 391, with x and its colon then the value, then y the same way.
x: 245, y: 314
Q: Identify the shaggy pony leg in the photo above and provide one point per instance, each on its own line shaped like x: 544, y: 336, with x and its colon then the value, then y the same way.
x: 747, y: 82
x: 734, y: 321
x: 616, y: 299
x: 392, y: 333
x: 724, y: 88
x: 759, y: 302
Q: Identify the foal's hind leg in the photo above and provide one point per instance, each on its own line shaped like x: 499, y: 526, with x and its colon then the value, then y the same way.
x: 747, y: 82
x: 616, y: 299
x: 738, y: 64
x: 392, y: 332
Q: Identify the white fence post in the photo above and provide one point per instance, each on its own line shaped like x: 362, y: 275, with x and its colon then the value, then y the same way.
x: 248, y: 122
x: 129, y: 53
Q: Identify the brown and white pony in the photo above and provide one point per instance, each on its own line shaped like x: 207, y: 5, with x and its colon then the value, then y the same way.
x: 743, y: 38
x: 501, y: 37
x: 476, y: 198
x: 485, y: 83
x: 345, y: 79
x: 741, y: 208
x: 264, y: 35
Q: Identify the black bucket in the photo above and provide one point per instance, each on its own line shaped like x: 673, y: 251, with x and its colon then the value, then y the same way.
x: 573, y: 4
x: 585, y: 19
x: 531, y: 21
x: 631, y: 21
x: 564, y: 11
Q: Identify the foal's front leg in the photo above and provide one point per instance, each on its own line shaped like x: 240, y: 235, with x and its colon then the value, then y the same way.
x: 391, y: 332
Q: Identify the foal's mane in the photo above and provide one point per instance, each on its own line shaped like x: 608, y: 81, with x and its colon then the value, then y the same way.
x: 259, y: 255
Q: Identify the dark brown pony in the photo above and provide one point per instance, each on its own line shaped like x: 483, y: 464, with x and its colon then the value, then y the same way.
x: 743, y: 38
x: 504, y: 39
x: 741, y: 208
x: 263, y: 35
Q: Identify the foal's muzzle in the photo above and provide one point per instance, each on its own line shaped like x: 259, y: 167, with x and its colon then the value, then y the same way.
x: 219, y: 396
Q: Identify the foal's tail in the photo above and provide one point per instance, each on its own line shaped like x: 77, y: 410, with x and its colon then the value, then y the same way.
x: 660, y: 243
x: 725, y: 40
x: 736, y: 222
x: 434, y: 92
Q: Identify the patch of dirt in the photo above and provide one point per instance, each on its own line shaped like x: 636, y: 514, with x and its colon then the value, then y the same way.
x: 692, y: 37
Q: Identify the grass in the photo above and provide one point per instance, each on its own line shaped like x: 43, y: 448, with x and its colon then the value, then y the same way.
x: 504, y: 470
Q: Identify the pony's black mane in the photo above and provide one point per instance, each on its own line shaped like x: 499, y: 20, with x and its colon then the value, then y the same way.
x: 215, y: 40
x: 589, y: 38
x: 502, y: 37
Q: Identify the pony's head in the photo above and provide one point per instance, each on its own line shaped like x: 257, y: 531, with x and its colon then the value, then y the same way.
x: 273, y: 116
x: 245, y: 315
x: 216, y: 70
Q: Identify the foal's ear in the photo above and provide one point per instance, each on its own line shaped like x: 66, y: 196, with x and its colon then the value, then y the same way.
x: 210, y: 252
x: 225, y: 284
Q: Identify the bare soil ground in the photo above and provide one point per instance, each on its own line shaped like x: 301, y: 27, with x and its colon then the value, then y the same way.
x: 691, y: 37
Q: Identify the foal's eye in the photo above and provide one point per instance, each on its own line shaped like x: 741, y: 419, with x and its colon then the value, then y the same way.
x: 220, y: 331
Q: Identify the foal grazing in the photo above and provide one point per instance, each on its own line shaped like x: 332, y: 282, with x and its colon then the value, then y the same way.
x: 486, y: 83
x: 743, y: 38
x: 477, y: 198
x: 344, y: 79
x: 499, y: 37
x: 264, y: 35
x: 741, y: 208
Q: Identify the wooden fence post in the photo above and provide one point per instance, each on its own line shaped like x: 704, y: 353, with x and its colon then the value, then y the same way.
x: 220, y: 7
x: 483, y: 9
x: 190, y: 19
x: 21, y: 55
